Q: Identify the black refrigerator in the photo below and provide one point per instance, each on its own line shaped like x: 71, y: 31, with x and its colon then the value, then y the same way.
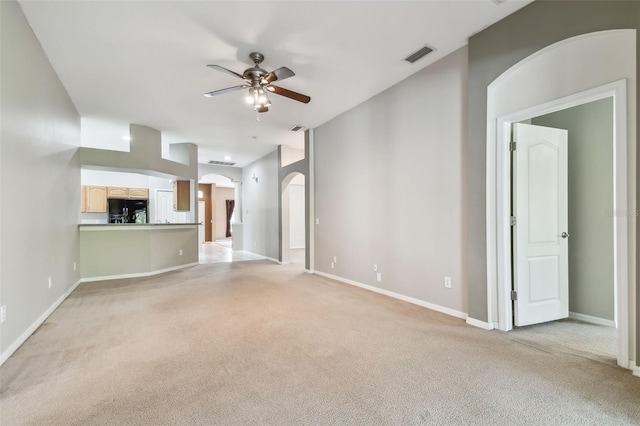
x: 127, y: 211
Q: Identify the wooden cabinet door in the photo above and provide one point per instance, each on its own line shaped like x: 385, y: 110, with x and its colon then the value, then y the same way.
x: 96, y: 199
x: 83, y: 201
x: 181, y: 196
x: 139, y: 193
x: 113, y: 192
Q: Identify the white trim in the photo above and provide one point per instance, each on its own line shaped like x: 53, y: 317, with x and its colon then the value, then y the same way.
x: 498, y: 195
x: 592, y: 320
x: 481, y: 324
x: 311, y: 218
x: 37, y: 323
x: 398, y: 296
x: 309, y: 271
x: 296, y: 248
x: 137, y: 274
x: 635, y: 369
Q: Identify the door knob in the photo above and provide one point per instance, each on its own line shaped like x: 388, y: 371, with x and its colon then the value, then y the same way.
x: 564, y: 235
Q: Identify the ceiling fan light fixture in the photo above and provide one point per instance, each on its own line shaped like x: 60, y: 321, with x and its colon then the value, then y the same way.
x: 258, y: 81
x: 249, y: 97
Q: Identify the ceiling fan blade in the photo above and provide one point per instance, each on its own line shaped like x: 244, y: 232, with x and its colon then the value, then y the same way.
x: 223, y: 69
x: 262, y: 109
x: 279, y: 74
x: 227, y: 90
x: 289, y: 94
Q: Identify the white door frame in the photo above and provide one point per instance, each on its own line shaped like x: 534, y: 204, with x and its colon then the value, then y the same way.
x: 500, y: 195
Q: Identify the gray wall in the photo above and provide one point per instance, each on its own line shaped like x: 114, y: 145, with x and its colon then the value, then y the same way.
x: 390, y: 185
x: 109, y: 251
x: 233, y: 173
x: 39, y: 179
x: 260, y: 206
x: 145, y: 156
x: 495, y: 50
x: 590, y: 126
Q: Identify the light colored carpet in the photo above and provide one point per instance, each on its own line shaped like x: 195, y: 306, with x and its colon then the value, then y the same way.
x: 256, y: 343
x: 571, y: 336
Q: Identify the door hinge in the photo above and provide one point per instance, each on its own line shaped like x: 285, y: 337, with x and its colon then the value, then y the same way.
x: 512, y: 221
x: 514, y: 295
x: 512, y: 146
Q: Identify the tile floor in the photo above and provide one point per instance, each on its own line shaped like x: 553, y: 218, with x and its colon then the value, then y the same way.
x: 220, y: 252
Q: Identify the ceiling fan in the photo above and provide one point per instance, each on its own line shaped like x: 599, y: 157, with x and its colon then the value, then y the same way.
x: 258, y: 81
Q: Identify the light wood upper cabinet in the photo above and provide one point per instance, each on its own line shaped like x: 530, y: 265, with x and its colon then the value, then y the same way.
x: 181, y: 196
x: 137, y: 193
x: 93, y: 199
x: 96, y: 199
x: 113, y: 192
x: 140, y: 193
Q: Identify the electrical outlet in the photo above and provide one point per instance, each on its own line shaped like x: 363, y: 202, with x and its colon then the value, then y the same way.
x: 332, y: 265
x: 180, y: 252
x: 50, y: 282
x: 3, y: 313
x: 375, y: 267
x: 335, y: 259
x: 447, y: 282
x: 379, y: 277
x: 75, y: 267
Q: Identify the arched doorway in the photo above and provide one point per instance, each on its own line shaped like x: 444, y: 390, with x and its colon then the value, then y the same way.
x: 293, y: 219
x: 527, y: 91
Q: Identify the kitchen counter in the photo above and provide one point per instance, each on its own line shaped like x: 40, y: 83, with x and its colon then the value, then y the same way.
x: 133, y: 226
x: 122, y: 250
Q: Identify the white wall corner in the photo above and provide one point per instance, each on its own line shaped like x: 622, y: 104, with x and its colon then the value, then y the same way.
x: 262, y: 257
x: 428, y: 305
x: 37, y: 323
x: 481, y: 324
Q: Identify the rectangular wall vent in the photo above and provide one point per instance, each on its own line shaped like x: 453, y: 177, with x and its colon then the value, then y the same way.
x: 221, y: 163
x: 419, y: 54
x: 296, y: 128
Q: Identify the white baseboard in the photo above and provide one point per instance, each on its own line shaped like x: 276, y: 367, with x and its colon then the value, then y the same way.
x: 398, y: 296
x: 37, y: 323
x: 592, y: 320
x: 137, y: 274
x: 635, y: 369
x: 262, y: 256
x: 309, y: 271
x: 481, y: 324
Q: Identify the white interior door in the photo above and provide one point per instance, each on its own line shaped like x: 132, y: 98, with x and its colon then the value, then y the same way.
x: 164, y: 206
x: 541, y: 264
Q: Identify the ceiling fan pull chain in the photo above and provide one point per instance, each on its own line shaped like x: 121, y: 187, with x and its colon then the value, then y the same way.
x: 257, y: 116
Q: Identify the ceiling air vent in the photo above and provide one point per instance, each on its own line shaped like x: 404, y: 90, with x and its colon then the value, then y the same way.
x: 221, y: 163
x: 296, y: 128
x: 419, y: 54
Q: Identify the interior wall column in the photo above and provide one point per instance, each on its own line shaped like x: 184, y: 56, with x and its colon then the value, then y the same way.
x: 237, y: 186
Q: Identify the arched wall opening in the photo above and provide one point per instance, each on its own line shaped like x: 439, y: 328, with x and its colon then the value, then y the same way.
x: 570, y: 72
x: 293, y: 226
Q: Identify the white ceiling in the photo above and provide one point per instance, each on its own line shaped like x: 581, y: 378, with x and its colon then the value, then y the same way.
x: 144, y: 62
